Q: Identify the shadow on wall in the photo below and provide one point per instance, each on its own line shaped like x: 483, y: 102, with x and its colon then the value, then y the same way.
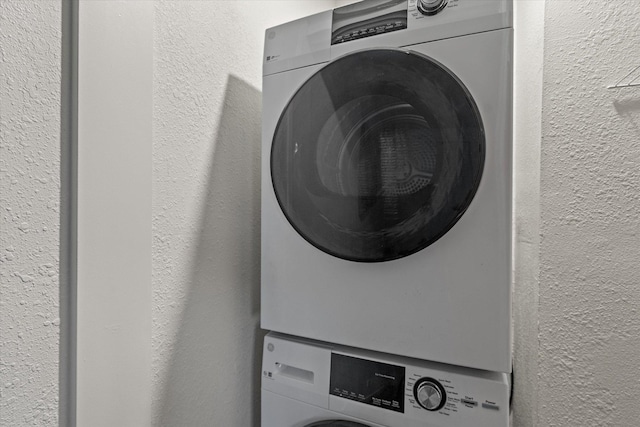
x: 213, y: 378
x: 629, y: 108
x: 625, y: 106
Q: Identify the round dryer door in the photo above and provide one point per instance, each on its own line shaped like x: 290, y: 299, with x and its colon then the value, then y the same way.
x: 336, y: 423
x: 377, y: 155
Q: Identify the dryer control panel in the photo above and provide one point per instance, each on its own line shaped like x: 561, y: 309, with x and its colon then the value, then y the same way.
x: 383, y: 389
x: 366, y: 19
x: 374, y: 17
x: 322, y: 37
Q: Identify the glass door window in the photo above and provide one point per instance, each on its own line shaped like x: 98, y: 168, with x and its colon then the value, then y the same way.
x: 377, y: 155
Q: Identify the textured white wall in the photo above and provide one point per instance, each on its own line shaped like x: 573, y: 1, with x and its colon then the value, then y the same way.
x: 206, y: 204
x: 589, y: 312
x: 30, y: 103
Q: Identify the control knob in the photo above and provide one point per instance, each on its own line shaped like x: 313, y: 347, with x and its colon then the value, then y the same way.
x: 430, y: 394
x: 431, y: 7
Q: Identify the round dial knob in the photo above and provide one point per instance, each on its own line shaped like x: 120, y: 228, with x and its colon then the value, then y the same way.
x: 431, y: 7
x: 430, y: 394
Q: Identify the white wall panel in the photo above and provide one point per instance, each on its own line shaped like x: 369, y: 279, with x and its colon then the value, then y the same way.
x: 115, y: 95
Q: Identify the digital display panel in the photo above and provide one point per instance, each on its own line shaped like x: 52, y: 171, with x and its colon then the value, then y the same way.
x: 366, y: 381
x: 368, y: 18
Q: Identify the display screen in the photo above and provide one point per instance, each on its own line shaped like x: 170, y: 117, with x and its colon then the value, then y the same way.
x: 373, y: 383
x: 365, y: 19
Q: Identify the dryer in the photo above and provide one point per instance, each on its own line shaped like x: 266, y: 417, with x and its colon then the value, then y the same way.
x: 386, y: 179
x: 307, y: 383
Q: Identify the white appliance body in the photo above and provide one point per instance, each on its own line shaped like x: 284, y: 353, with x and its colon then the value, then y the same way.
x: 447, y: 302
x: 304, y: 383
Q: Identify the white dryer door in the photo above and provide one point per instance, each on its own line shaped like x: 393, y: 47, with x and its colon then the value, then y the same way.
x: 377, y: 155
x: 376, y: 160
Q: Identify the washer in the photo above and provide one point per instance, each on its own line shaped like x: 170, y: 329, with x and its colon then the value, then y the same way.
x: 386, y: 179
x: 307, y: 383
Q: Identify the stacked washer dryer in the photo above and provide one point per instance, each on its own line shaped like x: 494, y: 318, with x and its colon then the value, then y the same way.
x: 386, y: 215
